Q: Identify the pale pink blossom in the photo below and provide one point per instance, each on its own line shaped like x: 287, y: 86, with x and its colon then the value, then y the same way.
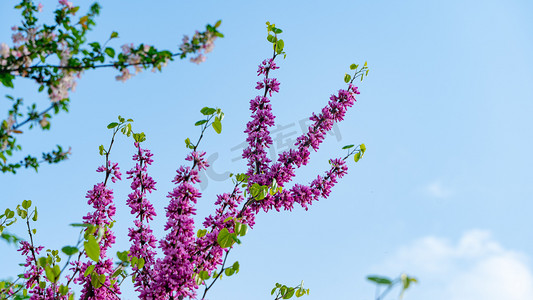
x: 125, y: 75
x: 66, y: 3
x: 198, y: 59
x: 4, y: 50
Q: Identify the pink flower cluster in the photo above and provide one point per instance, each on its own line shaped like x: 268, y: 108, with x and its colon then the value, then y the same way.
x: 184, y: 253
x: 101, y: 199
x: 143, y: 242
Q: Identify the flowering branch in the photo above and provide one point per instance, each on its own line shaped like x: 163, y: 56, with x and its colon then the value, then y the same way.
x: 34, y: 53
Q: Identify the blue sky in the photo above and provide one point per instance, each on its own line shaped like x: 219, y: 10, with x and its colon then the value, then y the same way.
x: 443, y: 193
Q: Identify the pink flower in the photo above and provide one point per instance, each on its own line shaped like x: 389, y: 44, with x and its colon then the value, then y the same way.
x: 4, y: 50
x: 198, y: 59
x: 66, y: 3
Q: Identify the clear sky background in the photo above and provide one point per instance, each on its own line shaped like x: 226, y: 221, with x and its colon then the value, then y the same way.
x: 443, y: 193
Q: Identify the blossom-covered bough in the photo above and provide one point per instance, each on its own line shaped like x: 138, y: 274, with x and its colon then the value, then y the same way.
x: 55, y: 56
x: 190, y: 258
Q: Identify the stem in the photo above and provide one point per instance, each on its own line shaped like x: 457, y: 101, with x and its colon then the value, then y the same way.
x: 30, y: 118
x: 84, y: 67
x: 219, y: 274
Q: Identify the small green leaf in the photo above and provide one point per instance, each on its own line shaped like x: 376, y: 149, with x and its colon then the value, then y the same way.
x: 207, y: 111
x: 197, y: 279
x: 271, y: 38
x: 357, y: 156
x: 217, y: 24
x: 200, y: 122
x: 353, y: 66
x: 204, y: 275
x: 49, y: 273
x: 110, y: 51
x: 140, y: 263
x: 35, y: 215
x: 89, y: 270
x: 69, y: 250
x: 273, y: 291
x: 57, y: 271
x: 114, y: 34
x: 229, y: 271
x: 217, y: 125
x: 123, y: 256
x: 362, y: 147
x: 347, y: 78
x: 112, y: 125
x: 63, y: 290
x: 224, y: 238
x: 236, y: 266
x: 280, y: 45
x: 379, y: 280
x: 290, y: 293
x: 201, y: 233
x: 244, y: 230
x: 80, y: 225
x: 26, y: 204
x: 348, y: 146
x: 92, y: 248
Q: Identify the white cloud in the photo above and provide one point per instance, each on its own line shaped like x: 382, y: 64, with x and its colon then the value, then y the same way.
x: 437, y: 190
x: 475, y: 268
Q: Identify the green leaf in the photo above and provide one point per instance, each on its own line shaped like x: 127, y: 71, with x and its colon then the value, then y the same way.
x: 69, y: 250
x: 110, y: 51
x: 353, y: 66
x: 347, y: 78
x: 63, y: 290
x: 123, y: 256
x: 114, y: 34
x: 49, y: 273
x: 217, y: 125
x: 207, y: 111
x: 271, y: 38
x: 229, y: 271
x: 236, y: 266
x: 35, y: 215
x: 348, y: 146
x: 273, y: 291
x: 244, y: 230
x: 26, y: 204
x: 357, y: 156
x: 140, y: 263
x: 201, y: 233
x: 197, y: 279
x: 290, y: 293
x: 117, y: 272
x: 112, y: 125
x: 224, y: 238
x: 279, y: 46
x: 57, y: 271
x: 204, y: 275
x: 80, y: 225
x: 277, y: 30
x: 200, y: 122
x: 379, y: 280
x: 362, y: 147
x: 89, y: 270
x: 217, y: 24
x: 188, y: 143
x: 92, y: 248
